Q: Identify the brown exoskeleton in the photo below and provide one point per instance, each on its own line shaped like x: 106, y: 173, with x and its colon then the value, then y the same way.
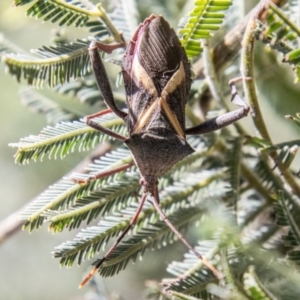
x: 157, y: 79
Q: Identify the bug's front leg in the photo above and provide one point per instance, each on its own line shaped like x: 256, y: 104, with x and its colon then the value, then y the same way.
x: 101, y: 75
x: 227, y: 118
x: 89, y: 121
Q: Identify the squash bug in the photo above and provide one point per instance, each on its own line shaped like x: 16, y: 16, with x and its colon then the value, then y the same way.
x: 157, y: 78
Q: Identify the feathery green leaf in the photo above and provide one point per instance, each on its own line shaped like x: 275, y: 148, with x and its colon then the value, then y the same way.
x: 282, y: 35
x: 191, y: 275
x: 53, y: 203
x: 67, y: 12
x: 57, y: 64
x: 174, y: 200
x: 205, y: 17
x: 288, y: 213
x: 64, y: 139
x: 255, y: 289
x: 88, y: 201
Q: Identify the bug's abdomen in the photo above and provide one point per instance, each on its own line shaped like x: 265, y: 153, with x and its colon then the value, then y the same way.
x: 155, y: 153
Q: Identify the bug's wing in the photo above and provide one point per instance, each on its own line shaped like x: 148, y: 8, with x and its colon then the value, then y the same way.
x: 157, y: 78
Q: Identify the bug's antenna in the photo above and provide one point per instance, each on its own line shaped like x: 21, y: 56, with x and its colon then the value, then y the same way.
x: 113, y: 247
x: 155, y: 202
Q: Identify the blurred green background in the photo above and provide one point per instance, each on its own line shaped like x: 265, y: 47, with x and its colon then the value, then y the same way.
x: 27, y: 269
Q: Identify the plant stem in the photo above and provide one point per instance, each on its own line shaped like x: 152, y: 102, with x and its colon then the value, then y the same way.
x: 250, y: 92
x: 247, y: 65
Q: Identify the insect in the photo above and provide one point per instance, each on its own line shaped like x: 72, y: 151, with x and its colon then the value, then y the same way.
x: 157, y: 78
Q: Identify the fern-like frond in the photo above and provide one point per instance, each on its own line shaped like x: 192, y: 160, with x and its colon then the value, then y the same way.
x: 254, y: 288
x: 288, y: 214
x: 56, y: 65
x: 66, y: 12
x: 205, y: 17
x: 282, y: 34
x: 120, y: 192
x: 52, y: 198
x: 175, y: 199
x: 64, y: 194
x: 64, y: 138
x: 38, y: 103
x: 233, y: 160
x: 77, y: 12
x: 268, y: 178
x: 280, y: 25
x: 151, y: 236
x: 156, y: 234
x: 196, y: 276
x: 88, y: 201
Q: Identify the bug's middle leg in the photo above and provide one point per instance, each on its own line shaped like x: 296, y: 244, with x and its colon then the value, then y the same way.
x: 89, y: 121
x: 225, y: 119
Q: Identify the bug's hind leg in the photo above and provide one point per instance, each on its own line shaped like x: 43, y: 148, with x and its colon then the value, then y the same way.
x: 99, y: 262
